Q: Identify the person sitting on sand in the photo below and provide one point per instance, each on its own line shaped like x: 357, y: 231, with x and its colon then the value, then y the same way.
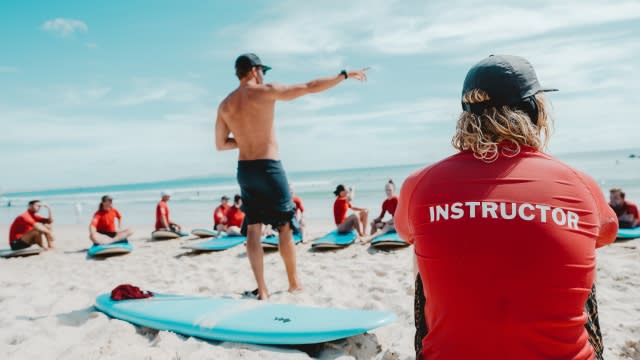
x: 29, y: 228
x: 163, y: 221
x: 218, y: 213
x: 299, y: 211
x: 102, y: 229
x: 626, y: 211
x: 389, y: 205
x: 504, y: 234
x: 356, y: 221
x: 233, y: 217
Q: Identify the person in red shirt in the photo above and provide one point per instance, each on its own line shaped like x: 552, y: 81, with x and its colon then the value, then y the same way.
x: 234, y: 217
x: 299, y: 211
x: 102, y: 229
x: 218, y: 213
x: 163, y: 221
x: 389, y: 205
x: 29, y: 228
x: 356, y: 221
x: 626, y: 211
x: 504, y: 234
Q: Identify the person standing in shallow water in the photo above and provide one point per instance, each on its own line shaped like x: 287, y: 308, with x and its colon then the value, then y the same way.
x: 495, y: 284
x: 248, y: 114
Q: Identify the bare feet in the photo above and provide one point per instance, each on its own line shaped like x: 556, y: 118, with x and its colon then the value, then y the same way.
x: 295, y: 290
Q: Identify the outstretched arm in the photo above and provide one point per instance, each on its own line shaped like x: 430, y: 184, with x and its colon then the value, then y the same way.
x: 290, y: 92
x: 223, y: 141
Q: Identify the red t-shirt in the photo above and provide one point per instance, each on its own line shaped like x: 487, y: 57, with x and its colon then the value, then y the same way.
x: 105, y: 220
x: 298, y: 202
x: 389, y: 205
x: 24, y: 223
x: 506, y: 252
x: 162, y: 209
x: 340, y: 208
x: 627, y: 208
x: 218, y: 214
x: 235, y: 216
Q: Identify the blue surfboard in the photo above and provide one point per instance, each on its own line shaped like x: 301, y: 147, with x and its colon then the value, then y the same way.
x: 390, y: 239
x: 116, y: 248
x: 629, y: 233
x: 218, y: 244
x: 272, y: 242
x: 33, y: 250
x: 243, y: 321
x: 334, y: 240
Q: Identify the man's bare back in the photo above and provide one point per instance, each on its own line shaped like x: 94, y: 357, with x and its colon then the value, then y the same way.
x: 248, y: 113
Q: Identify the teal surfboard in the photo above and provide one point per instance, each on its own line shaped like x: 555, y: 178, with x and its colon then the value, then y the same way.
x: 630, y: 233
x: 272, y: 242
x: 243, y: 321
x: 204, y: 233
x: 217, y: 244
x: 390, y: 239
x: 116, y: 248
x: 8, y: 253
x: 334, y: 240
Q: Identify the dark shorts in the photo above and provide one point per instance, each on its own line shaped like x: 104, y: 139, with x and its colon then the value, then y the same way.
x: 18, y: 244
x: 108, y: 233
x: 266, y: 198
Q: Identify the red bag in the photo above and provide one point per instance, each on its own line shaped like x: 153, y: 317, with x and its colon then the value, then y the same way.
x: 127, y: 292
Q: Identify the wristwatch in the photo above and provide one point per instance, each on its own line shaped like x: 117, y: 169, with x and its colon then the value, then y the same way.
x: 345, y: 74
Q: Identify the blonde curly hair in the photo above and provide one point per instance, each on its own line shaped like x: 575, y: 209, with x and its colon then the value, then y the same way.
x: 482, y: 133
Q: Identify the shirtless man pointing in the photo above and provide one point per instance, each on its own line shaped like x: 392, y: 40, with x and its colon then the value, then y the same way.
x: 247, y: 113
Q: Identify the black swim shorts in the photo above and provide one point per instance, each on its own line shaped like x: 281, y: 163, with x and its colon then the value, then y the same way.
x: 266, y: 198
x: 18, y: 244
x: 108, y: 233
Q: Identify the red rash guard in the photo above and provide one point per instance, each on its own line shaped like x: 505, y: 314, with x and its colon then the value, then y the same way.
x: 506, y: 253
x: 162, y: 209
x: 218, y: 214
x: 389, y: 205
x: 24, y: 223
x: 298, y: 202
x: 105, y: 220
x: 340, y: 207
x: 235, y: 216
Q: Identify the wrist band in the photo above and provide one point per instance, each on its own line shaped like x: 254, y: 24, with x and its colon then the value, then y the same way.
x: 344, y: 73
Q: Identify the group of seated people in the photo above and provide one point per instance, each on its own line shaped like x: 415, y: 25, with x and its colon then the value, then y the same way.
x: 358, y: 219
x: 30, y: 228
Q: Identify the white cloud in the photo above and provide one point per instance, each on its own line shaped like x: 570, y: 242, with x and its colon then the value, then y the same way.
x: 65, y: 27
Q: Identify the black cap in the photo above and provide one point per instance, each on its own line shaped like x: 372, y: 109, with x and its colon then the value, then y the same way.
x: 507, y: 79
x: 245, y: 62
x: 340, y: 188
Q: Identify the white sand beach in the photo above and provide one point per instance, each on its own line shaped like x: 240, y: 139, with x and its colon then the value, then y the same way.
x: 47, y: 300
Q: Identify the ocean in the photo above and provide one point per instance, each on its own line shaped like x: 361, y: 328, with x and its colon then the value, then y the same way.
x: 195, y: 198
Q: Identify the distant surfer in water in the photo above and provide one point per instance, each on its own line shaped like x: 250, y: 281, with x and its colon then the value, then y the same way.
x: 626, y: 211
x: 248, y: 114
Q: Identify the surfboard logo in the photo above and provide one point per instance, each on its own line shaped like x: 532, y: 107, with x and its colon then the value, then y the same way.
x: 282, y: 319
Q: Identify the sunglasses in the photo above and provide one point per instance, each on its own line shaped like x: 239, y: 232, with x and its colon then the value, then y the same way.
x: 264, y: 70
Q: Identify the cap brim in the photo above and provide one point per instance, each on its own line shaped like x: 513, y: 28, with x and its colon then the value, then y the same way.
x: 548, y: 89
x: 265, y: 68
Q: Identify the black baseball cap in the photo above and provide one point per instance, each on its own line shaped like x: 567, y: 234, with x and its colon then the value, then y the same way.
x: 246, y: 61
x: 508, y: 80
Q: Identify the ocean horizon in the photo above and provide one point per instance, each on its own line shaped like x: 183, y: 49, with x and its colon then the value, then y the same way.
x: 195, y: 197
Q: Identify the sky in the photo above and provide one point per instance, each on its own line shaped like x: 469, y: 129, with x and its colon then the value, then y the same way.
x: 95, y: 92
